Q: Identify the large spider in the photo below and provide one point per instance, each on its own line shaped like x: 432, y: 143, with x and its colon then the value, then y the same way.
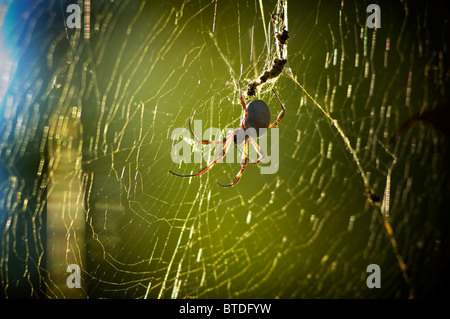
x: 256, y: 115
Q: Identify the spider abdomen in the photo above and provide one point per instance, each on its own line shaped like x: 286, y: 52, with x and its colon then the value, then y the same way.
x: 258, y: 115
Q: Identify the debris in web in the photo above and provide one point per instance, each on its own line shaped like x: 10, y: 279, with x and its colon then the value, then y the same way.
x: 281, y: 32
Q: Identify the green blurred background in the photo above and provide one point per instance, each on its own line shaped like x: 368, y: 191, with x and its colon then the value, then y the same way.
x: 85, y: 151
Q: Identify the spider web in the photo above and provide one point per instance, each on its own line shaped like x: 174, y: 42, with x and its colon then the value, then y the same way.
x: 85, y: 150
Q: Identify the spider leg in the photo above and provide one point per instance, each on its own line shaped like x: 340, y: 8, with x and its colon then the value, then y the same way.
x: 244, y: 163
x: 204, y: 142
x: 258, y: 149
x: 281, y: 114
x: 244, y: 118
x: 229, y: 139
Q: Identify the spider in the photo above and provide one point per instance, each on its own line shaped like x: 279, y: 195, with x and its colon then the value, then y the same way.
x: 256, y: 115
